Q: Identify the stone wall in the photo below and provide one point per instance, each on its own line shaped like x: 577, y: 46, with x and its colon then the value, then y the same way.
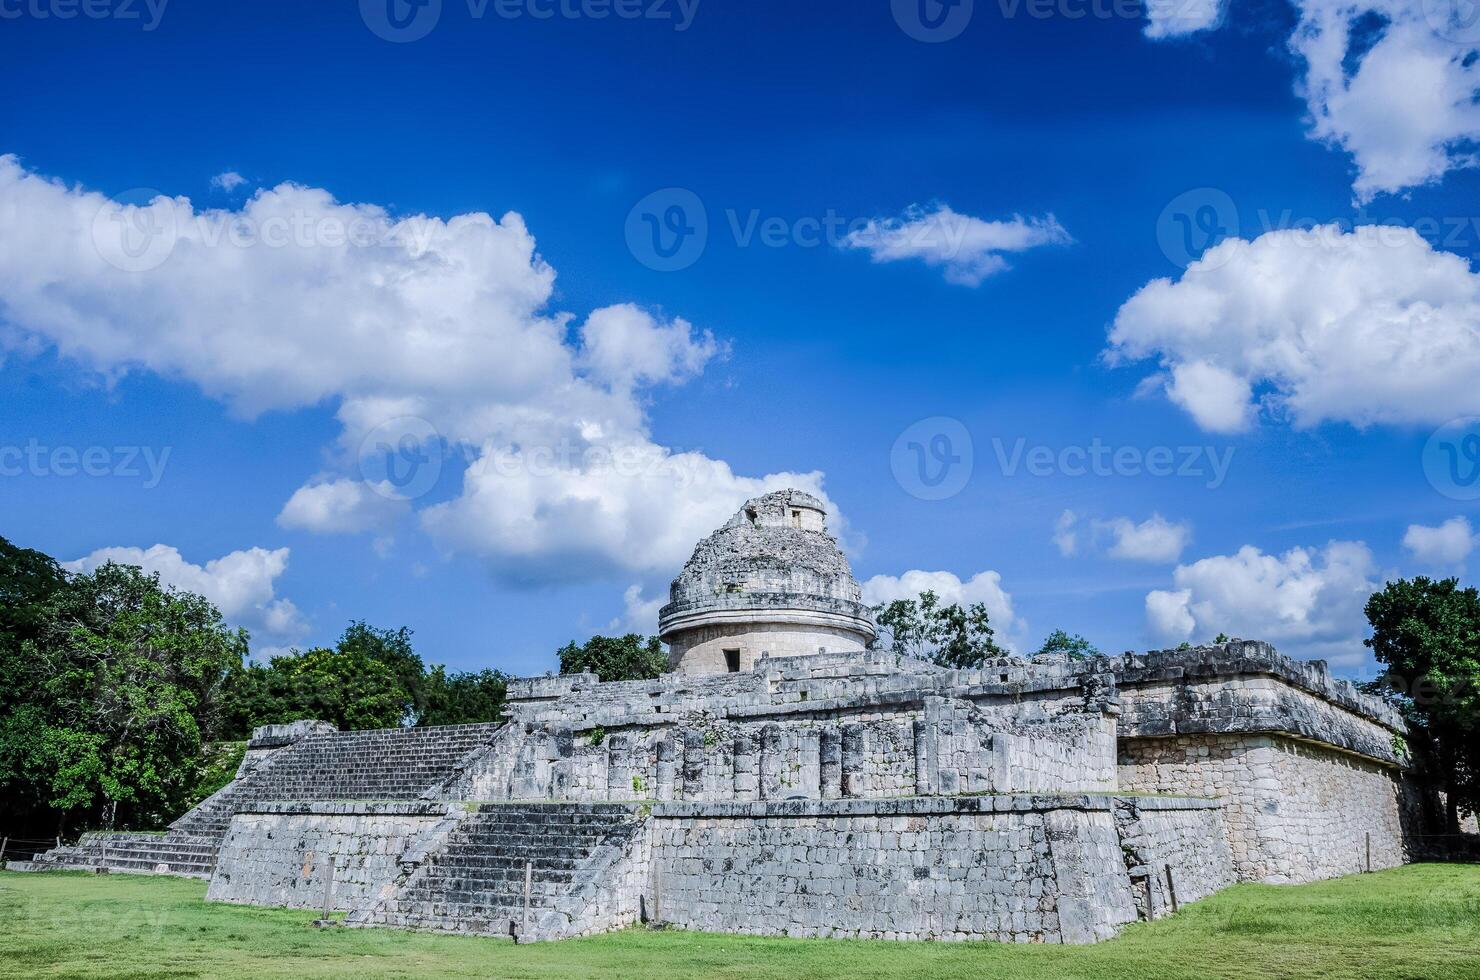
x: 1172, y: 855
x: 1018, y: 868
x: 821, y: 727
x: 1251, y: 704
x: 279, y: 853
x: 1295, y: 811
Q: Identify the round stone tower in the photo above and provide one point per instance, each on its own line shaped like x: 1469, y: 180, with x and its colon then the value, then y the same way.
x: 770, y: 583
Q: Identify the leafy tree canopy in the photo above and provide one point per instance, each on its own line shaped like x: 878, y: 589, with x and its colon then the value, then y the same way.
x: 112, y: 678
x: 1072, y: 644
x: 620, y: 658
x: 1427, y: 635
x: 946, y: 635
x: 372, y: 678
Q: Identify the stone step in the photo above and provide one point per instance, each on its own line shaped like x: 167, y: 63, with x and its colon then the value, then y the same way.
x: 494, y: 856
x: 494, y: 877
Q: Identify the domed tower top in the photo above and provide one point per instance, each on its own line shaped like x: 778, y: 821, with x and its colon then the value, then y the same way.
x: 770, y: 582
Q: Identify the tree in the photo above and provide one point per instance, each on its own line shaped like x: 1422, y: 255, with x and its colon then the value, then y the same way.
x: 392, y: 648
x: 114, y: 686
x: 1073, y: 645
x: 621, y: 658
x: 1427, y: 635
x: 350, y: 688
x: 29, y: 584
x: 371, y: 678
x: 947, y: 635
x: 462, y: 698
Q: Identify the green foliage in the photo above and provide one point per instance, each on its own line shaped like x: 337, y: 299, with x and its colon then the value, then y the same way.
x: 110, y: 679
x: 597, y: 735
x: 215, y: 768
x: 947, y: 635
x: 462, y: 698
x: 111, y: 683
x: 372, y: 678
x: 347, y: 687
x: 1072, y: 644
x: 1427, y: 635
x: 1222, y: 638
x: 620, y: 658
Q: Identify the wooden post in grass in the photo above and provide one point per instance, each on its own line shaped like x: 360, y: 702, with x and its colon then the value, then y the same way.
x: 1369, y: 852
x: 1171, y: 889
x: 3, y: 845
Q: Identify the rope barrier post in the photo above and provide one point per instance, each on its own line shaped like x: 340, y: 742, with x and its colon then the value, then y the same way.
x: 1369, y: 852
x: 3, y: 845
x: 1171, y: 889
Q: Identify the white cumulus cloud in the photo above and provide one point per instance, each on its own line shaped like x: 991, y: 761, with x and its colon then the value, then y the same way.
x: 342, y: 505
x: 409, y: 323
x: 1065, y: 537
x: 239, y: 584
x: 1369, y: 326
x: 1155, y: 539
x: 1309, y: 602
x: 1394, y: 83
x: 639, y: 612
x: 1447, y: 545
x: 228, y: 181
x: 1175, y: 18
x: 966, y: 249
x: 983, y: 587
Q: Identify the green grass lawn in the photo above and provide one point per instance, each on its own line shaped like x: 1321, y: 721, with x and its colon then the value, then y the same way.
x: 1421, y: 921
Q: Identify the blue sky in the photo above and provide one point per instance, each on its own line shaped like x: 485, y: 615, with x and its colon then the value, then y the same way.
x: 998, y: 194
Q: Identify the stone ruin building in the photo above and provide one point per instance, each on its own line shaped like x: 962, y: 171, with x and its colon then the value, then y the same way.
x: 787, y: 779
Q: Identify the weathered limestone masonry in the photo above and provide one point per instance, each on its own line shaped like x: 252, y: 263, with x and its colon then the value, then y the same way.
x: 1310, y: 769
x: 819, y: 727
x: 770, y: 583
x: 785, y: 780
x: 1011, y: 868
x: 304, y: 761
x: 279, y: 853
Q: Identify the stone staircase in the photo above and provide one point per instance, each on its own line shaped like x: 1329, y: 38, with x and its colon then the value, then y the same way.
x: 475, y: 882
x: 380, y: 764
x: 185, y: 855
